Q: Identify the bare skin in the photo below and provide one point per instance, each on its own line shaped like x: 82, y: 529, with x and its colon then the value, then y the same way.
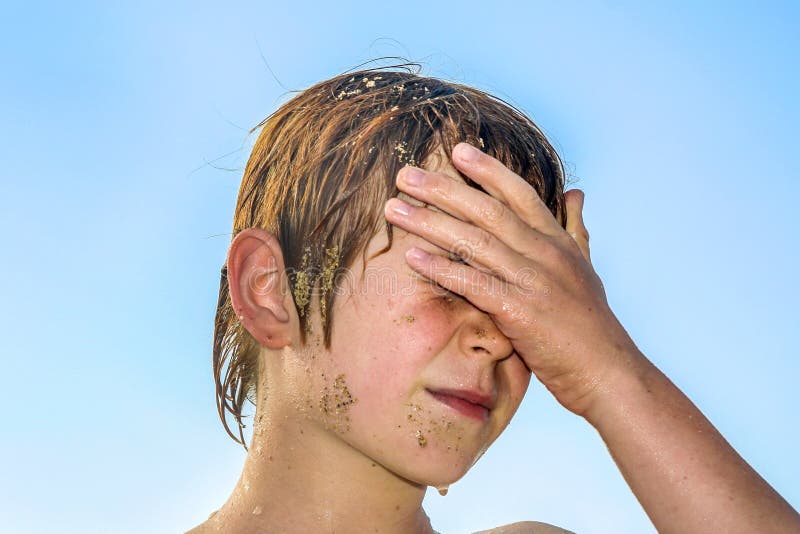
x: 351, y: 435
x: 531, y: 303
x: 280, y: 490
x: 299, y: 474
x: 683, y: 472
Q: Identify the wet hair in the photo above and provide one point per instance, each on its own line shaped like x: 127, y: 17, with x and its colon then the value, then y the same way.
x: 322, y: 168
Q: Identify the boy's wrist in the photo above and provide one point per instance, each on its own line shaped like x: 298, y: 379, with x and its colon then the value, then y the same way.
x: 675, y: 461
x: 621, y: 386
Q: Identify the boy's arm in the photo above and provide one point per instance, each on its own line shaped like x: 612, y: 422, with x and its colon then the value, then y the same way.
x: 683, y: 472
x: 552, y: 307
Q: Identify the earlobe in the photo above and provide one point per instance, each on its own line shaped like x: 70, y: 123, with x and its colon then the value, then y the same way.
x: 257, y: 287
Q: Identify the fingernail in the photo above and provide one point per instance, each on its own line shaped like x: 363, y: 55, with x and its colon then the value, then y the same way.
x: 467, y: 152
x: 415, y: 253
x: 411, y: 176
x: 399, y: 207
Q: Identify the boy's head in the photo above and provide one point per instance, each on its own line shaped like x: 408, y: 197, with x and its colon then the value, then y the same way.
x: 312, y: 197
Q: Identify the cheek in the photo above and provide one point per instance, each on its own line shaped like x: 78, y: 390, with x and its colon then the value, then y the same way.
x: 420, y: 333
x: 516, y: 378
x: 388, y: 364
x: 399, y: 347
x: 407, y: 330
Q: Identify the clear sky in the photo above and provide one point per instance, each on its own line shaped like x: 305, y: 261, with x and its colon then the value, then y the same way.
x: 123, y: 142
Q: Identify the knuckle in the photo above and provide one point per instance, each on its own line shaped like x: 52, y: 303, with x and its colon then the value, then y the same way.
x: 482, y: 240
x: 494, y: 213
x: 426, y: 219
x: 526, y: 279
x: 513, y: 314
x: 441, y: 188
x: 580, y: 234
x: 462, y: 251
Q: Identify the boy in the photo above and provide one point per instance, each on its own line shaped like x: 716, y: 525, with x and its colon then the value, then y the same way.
x: 378, y: 377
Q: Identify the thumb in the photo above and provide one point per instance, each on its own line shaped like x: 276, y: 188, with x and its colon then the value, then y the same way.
x: 575, y: 227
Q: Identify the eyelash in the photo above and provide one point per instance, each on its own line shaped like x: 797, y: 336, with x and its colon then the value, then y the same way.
x: 446, y: 294
x: 452, y: 256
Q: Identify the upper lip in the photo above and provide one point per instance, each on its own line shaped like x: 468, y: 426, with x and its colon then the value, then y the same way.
x: 471, y: 395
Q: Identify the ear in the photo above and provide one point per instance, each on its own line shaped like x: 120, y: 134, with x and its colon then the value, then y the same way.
x: 258, y: 287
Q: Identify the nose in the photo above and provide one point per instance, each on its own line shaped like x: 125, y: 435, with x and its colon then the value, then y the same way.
x: 480, y: 337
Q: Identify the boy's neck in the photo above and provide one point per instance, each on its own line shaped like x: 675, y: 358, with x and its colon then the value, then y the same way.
x: 299, y: 477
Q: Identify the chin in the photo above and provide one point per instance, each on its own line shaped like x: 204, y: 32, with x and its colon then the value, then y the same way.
x: 438, y: 468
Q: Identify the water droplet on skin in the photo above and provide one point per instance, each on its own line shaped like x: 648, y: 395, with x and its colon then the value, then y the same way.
x: 443, y: 489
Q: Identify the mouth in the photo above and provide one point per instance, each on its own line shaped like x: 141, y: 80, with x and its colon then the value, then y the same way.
x: 467, y: 403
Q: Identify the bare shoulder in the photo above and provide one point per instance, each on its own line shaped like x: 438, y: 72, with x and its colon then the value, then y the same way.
x: 205, y: 526
x: 199, y: 529
x: 526, y: 527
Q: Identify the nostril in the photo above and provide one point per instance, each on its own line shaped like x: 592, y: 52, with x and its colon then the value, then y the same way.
x: 482, y: 337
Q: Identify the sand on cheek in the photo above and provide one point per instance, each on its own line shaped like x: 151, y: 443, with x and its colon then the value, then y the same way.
x: 430, y: 429
x: 426, y: 330
x: 335, y: 401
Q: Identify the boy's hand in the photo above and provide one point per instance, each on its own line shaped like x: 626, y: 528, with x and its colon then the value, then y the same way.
x: 534, y: 278
x: 537, y: 283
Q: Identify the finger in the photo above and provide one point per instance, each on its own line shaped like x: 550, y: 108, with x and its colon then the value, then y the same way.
x: 507, y: 186
x: 575, y: 227
x: 484, y: 291
x: 470, y: 205
x: 474, y: 246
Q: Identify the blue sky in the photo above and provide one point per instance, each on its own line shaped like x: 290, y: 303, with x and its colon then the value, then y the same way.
x: 677, y: 120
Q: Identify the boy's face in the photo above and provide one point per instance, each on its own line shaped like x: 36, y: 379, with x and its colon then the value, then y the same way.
x: 417, y: 379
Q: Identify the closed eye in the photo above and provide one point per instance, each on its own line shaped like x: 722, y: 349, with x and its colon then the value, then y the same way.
x: 446, y: 294
x: 452, y: 256
x: 438, y: 289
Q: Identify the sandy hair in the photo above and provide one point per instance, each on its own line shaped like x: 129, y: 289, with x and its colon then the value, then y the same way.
x: 321, y: 170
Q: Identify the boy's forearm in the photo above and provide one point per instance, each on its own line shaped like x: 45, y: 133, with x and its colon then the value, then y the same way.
x: 683, y: 472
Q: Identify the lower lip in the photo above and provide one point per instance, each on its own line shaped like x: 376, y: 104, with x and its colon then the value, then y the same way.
x: 469, y: 409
